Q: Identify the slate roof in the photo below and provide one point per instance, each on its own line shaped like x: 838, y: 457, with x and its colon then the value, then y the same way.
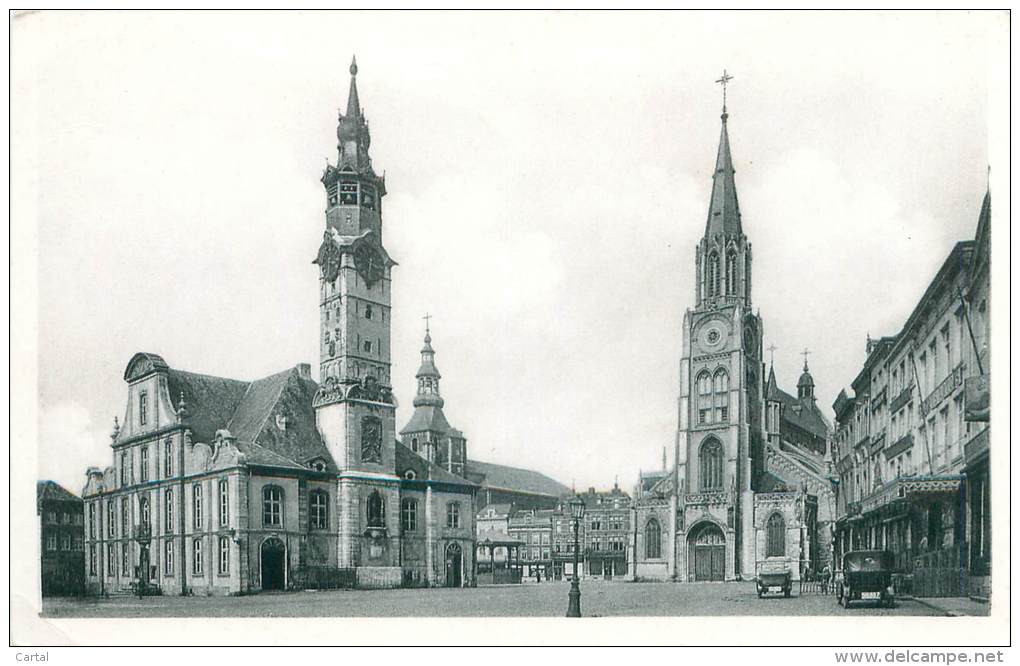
x: 249, y: 410
x: 501, y: 509
x: 51, y: 491
x: 517, y: 479
x: 770, y: 483
x: 406, y: 459
x: 724, y: 211
x: 803, y: 413
x: 427, y: 417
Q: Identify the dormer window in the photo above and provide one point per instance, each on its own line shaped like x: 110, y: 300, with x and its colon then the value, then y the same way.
x: 410, y: 475
x: 318, y: 465
x: 143, y: 408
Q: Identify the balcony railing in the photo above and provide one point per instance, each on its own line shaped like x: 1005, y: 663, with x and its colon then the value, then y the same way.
x: 944, y: 389
x: 901, y: 445
x: 977, y: 445
x: 707, y: 498
x: 902, y: 398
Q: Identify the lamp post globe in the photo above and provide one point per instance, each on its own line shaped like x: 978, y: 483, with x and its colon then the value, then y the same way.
x: 574, y: 596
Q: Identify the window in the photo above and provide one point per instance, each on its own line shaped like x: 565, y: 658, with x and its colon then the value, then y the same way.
x: 125, y: 559
x: 145, y: 464
x: 168, y: 463
x: 111, y: 522
x: 731, y: 273
x: 653, y: 539
x: 196, y: 557
x: 710, y: 469
x: 125, y: 517
x: 196, y: 505
x: 713, y: 274
x: 453, y: 515
x: 318, y: 509
x: 169, y: 510
x: 65, y: 542
x: 414, y: 444
x: 367, y: 346
x: 409, y: 515
x: 224, y: 559
x: 143, y: 509
x: 376, y: 510
x: 368, y: 312
x: 224, y: 503
x: 776, y: 536
x: 947, y: 348
x: 143, y: 408
x: 272, y: 506
x: 92, y: 559
x: 168, y: 558
x: 51, y: 541
x: 123, y: 468
x: 92, y: 520
x: 722, y: 396
x: 704, y: 384
x: 51, y: 516
x: 111, y: 560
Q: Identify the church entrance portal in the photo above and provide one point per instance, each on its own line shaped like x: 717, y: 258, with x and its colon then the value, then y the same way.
x: 272, y: 560
x: 707, y: 553
x: 453, y: 561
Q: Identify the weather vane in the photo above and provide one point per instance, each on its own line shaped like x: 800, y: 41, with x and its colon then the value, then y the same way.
x: 723, y: 80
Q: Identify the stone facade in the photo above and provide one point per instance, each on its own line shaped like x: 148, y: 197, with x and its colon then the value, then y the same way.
x: 700, y: 520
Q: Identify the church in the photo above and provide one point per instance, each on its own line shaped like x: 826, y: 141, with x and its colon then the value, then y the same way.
x: 750, y: 479
x: 226, y: 486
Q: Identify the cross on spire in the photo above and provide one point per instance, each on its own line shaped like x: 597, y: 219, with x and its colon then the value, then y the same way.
x: 772, y: 354
x: 805, y: 355
x: 427, y: 317
x: 723, y: 81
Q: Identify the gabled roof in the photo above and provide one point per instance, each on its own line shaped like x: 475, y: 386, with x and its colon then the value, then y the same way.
x: 51, y: 491
x: 803, y: 413
x: 209, y: 401
x: 517, y: 479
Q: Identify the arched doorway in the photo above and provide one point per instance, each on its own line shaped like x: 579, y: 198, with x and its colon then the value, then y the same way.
x: 453, y: 565
x: 707, y: 553
x: 272, y: 560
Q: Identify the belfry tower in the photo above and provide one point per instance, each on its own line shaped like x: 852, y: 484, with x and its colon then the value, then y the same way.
x: 720, y: 437
x: 355, y: 408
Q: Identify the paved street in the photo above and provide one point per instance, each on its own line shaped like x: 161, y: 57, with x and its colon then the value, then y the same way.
x: 599, y: 598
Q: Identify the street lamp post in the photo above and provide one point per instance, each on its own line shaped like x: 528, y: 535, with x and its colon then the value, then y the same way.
x: 574, y: 596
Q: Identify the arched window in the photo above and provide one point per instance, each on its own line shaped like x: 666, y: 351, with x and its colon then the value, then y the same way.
x: 143, y: 510
x: 731, y: 273
x: 272, y: 506
x: 710, y: 465
x: 722, y: 396
x: 653, y: 539
x: 318, y: 509
x: 704, y: 385
x: 776, y: 536
x: 376, y: 513
x: 713, y: 274
x: 878, y: 475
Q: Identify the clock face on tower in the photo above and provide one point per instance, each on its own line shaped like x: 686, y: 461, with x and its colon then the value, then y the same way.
x: 369, y: 264
x: 713, y: 334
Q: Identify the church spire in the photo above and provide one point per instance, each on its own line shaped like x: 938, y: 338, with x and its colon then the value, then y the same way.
x: 723, y: 210
x: 428, y: 375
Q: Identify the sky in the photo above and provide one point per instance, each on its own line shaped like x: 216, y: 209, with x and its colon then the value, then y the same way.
x: 548, y: 177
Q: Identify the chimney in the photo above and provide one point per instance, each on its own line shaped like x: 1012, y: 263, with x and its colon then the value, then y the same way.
x: 304, y: 370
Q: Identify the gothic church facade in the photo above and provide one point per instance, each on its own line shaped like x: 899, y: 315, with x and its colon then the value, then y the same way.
x: 741, y: 489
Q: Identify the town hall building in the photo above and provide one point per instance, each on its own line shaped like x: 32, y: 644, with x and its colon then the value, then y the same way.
x: 225, y: 486
x: 749, y: 480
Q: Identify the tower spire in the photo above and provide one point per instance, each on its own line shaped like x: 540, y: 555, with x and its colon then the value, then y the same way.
x: 428, y: 374
x: 353, y: 103
x: 724, y: 210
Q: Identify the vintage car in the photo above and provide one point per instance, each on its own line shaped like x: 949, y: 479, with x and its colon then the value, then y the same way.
x: 866, y: 576
x: 774, y: 576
